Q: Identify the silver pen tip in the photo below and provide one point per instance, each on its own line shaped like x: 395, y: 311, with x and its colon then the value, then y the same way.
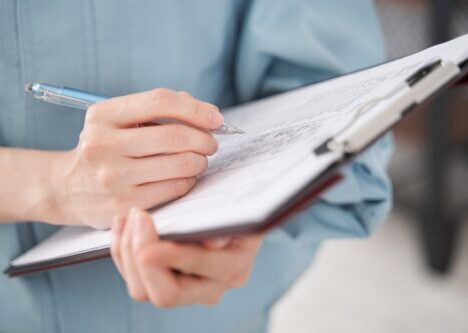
x: 231, y: 129
x: 227, y: 129
x: 239, y: 131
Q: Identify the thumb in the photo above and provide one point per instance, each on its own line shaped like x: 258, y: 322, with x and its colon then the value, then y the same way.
x: 144, y: 231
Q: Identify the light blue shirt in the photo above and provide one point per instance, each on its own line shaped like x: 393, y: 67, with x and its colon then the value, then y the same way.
x: 221, y: 51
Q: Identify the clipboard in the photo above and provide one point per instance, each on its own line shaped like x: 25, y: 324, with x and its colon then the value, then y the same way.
x: 352, y: 139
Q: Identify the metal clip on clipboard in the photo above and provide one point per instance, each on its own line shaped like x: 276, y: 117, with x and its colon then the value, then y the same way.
x: 358, y: 133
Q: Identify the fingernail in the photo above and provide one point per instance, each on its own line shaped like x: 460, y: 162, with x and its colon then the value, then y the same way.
x: 139, y: 221
x: 132, y: 214
x: 216, y: 118
x: 117, y: 225
x: 218, y: 243
x: 221, y: 242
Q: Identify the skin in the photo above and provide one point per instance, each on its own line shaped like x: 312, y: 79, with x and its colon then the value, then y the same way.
x: 116, y: 164
x: 119, y: 164
x: 168, y: 274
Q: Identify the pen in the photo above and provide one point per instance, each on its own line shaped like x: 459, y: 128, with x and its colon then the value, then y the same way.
x: 80, y: 99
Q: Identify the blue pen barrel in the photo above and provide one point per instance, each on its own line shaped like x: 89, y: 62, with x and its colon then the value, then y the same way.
x: 64, y: 96
x: 80, y: 99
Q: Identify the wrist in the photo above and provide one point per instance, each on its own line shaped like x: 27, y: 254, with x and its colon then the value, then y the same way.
x: 36, y: 192
x: 45, y: 199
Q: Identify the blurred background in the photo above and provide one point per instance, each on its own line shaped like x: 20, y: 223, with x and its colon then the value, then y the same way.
x: 412, y: 275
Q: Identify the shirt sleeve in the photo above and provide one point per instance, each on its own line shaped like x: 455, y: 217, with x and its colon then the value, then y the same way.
x: 286, y: 44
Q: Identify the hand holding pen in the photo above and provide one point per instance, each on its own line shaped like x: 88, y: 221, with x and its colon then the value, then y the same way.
x: 80, y: 99
x: 117, y: 165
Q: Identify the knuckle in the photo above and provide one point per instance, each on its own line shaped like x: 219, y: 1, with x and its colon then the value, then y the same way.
x: 198, y: 112
x: 89, y: 145
x: 160, y: 95
x: 107, y: 177
x: 184, y: 94
x: 93, y: 114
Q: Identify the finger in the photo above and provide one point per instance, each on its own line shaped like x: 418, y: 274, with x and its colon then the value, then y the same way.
x: 117, y: 229
x: 249, y: 243
x: 168, y: 289
x: 154, y: 194
x: 158, y: 281
x: 166, y: 139
x: 156, y: 104
x: 217, y: 243
x: 132, y: 278
x: 164, y: 167
x: 231, y: 264
x: 164, y: 287
x: 223, y: 265
x: 197, y: 290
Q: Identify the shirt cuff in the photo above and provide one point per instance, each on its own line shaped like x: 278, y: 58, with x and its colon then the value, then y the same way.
x: 365, y: 179
x: 353, y: 207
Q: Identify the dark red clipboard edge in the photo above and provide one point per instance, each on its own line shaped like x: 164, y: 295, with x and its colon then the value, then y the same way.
x: 463, y: 81
x: 304, y: 198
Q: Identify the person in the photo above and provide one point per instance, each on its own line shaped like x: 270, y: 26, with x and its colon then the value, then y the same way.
x: 172, y: 59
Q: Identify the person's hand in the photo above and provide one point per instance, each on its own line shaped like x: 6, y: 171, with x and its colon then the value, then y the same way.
x: 118, y: 164
x: 169, y: 274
